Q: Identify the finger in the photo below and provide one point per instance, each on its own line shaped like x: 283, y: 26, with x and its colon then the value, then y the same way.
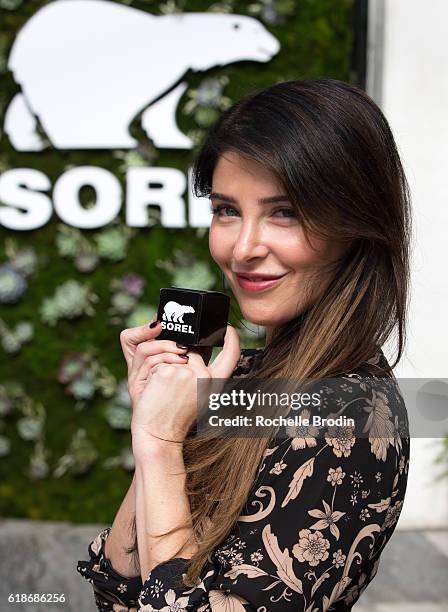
x: 130, y: 338
x: 153, y: 347
x: 158, y: 365
x: 230, y: 352
x: 225, y: 362
x: 196, y: 362
x: 144, y: 372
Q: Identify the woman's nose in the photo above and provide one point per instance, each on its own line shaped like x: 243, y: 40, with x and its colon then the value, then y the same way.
x: 249, y: 243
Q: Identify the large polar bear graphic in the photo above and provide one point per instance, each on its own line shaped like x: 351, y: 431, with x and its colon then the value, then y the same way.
x: 173, y: 311
x: 87, y: 68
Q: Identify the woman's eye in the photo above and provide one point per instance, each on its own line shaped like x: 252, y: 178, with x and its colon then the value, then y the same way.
x: 288, y: 210
x: 217, y: 210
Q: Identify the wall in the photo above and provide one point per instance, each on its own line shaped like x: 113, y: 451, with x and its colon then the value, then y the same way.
x: 409, y: 72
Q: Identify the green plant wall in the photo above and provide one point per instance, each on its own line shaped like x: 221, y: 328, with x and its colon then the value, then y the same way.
x: 64, y: 418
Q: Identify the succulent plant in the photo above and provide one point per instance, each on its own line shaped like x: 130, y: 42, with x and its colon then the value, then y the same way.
x: 126, y: 290
x: 38, y: 467
x: 112, y: 243
x: 49, y: 311
x: 122, y: 303
x: 66, y: 246
x: 125, y: 460
x: 24, y: 331
x: 83, y: 387
x: 86, y: 261
x: 105, y: 381
x: 197, y: 136
x: 130, y: 158
x: 71, y: 300
x: 24, y: 261
x: 225, y: 6
x: 14, y: 389
x: 118, y: 413
x: 210, y: 90
x: 72, y: 366
x: 80, y: 455
x: 142, y: 314
x: 12, y: 340
x: 29, y: 428
x: 205, y: 117
x: 12, y: 284
x: 170, y: 7
x: 69, y: 240
x: 133, y: 284
x: 273, y: 12
x: 207, y: 100
x: 83, y: 375
x: 10, y: 343
x: 118, y: 417
x: 198, y: 276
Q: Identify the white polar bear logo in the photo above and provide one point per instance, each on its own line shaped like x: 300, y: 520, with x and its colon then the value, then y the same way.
x: 173, y: 311
x: 87, y: 68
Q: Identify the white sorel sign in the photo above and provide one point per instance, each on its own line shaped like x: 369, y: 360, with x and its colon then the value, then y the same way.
x: 27, y: 204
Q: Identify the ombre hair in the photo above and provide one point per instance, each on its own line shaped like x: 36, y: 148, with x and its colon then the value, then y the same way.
x: 331, y: 148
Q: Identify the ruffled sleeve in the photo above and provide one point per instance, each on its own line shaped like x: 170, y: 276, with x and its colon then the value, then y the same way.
x: 321, y: 511
x: 112, y: 591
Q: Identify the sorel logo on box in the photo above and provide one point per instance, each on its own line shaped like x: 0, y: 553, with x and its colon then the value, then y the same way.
x: 172, y: 317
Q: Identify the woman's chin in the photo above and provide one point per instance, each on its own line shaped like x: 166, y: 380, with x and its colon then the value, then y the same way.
x: 257, y: 320
x: 255, y: 316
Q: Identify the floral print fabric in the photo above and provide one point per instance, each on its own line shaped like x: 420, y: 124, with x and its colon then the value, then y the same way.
x: 317, y: 518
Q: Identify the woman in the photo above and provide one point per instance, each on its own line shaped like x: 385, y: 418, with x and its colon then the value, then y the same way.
x: 306, y: 184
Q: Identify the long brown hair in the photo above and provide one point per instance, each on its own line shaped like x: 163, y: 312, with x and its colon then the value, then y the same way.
x: 331, y: 147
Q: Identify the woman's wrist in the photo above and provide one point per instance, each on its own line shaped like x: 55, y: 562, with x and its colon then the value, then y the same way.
x: 150, y: 447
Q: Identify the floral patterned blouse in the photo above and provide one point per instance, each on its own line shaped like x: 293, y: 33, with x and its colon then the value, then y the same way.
x: 315, y: 523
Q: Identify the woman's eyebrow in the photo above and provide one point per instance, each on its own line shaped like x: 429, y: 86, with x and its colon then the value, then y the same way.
x: 270, y: 200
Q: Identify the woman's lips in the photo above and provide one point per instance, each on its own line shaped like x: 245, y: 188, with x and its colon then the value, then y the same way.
x: 254, y: 286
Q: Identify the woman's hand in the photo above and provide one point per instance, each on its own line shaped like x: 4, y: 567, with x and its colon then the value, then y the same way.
x: 167, y: 406
x: 142, y: 352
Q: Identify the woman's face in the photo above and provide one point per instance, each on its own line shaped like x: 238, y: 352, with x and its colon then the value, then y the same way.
x: 263, y: 238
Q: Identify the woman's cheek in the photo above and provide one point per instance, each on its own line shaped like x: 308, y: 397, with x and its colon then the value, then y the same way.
x: 220, y: 246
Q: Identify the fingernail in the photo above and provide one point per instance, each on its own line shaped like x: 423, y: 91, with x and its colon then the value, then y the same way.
x: 229, y: 323
x: 185, y: 356
x: 181, y: 346
x: 153, y: 324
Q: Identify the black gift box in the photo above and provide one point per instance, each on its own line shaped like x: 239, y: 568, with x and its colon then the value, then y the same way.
x: 193, y: 317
